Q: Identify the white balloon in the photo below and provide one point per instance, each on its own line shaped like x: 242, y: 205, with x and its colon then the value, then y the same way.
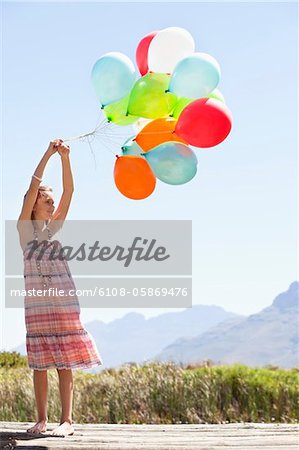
x: 168, y: 47
x: 139, y: 124
x: 216, y: 94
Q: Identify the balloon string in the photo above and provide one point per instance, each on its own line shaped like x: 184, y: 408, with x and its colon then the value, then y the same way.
x: 81, y: 136
x: 156, y: 132
x: 102, y: 127
x: 101, y: 124
x: 99, y: 131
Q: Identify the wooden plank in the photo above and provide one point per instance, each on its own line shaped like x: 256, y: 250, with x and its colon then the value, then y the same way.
x: 240, y: 436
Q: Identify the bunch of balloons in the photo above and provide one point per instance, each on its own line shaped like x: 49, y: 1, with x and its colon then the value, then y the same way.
x: 173, y: 105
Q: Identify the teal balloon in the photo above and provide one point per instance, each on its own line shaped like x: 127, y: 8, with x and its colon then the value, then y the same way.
x: 172, y: 162
x: 130, y: 147
x: 195, y: 76
x: 113, y: 77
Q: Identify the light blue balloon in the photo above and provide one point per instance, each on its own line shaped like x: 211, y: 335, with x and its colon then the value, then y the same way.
x: 131, y: 147
x: 195, y: 76
x: 172, y: 162
x: 113, y: 77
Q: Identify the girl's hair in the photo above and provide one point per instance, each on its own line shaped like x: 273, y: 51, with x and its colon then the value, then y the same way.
x: 41, y: 189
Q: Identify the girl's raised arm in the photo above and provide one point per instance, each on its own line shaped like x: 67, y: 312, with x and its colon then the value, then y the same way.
x: 68, y: 186
x: 32, y: 192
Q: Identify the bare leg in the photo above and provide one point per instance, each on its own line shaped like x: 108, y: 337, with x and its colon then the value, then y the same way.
x: 66, y: 387
x: 40, y: 381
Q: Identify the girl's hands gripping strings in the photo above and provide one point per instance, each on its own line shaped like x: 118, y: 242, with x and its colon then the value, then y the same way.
x: 53, y: 146
x: 57, y: 145
x: 63, y: 150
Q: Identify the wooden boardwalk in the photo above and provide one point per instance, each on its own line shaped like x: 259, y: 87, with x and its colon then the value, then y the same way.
x: 237, y: 436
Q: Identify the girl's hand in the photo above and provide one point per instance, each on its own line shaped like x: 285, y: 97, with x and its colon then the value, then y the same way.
x: 53, y: 146
x: 63, y: 150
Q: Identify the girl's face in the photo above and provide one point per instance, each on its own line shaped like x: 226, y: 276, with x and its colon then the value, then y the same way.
x: 44, y: 206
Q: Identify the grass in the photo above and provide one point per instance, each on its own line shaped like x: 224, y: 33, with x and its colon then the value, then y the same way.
x: 161, y: 393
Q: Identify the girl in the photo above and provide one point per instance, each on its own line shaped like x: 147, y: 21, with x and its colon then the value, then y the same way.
x: 55, y: 336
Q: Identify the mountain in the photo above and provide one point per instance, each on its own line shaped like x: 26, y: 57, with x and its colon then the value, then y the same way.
x: 268, y: 337
x: 134, y: 338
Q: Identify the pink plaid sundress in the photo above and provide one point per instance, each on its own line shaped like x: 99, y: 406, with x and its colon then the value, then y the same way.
x: 55, y: 336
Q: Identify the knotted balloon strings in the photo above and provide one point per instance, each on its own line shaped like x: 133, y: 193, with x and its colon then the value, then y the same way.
x: 105, y: 133
x: 109, y: 136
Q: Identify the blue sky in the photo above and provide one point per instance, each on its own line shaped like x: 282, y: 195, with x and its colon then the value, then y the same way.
x: 242, y: 201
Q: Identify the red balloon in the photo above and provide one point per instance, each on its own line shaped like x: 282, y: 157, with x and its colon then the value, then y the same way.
x: 142, y: 51
x: 204, y: 123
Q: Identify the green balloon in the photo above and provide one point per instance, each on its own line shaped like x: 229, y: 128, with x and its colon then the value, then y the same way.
x: 150, y: 97
x: 117, y: 112
x: 180, y: 105
x: 216, y: 94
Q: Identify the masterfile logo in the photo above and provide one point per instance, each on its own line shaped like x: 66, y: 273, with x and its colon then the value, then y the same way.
x: 113, y: 263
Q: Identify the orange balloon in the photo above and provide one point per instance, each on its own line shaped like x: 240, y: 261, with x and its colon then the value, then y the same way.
x: 156, y: 132
x: 134, y: 177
